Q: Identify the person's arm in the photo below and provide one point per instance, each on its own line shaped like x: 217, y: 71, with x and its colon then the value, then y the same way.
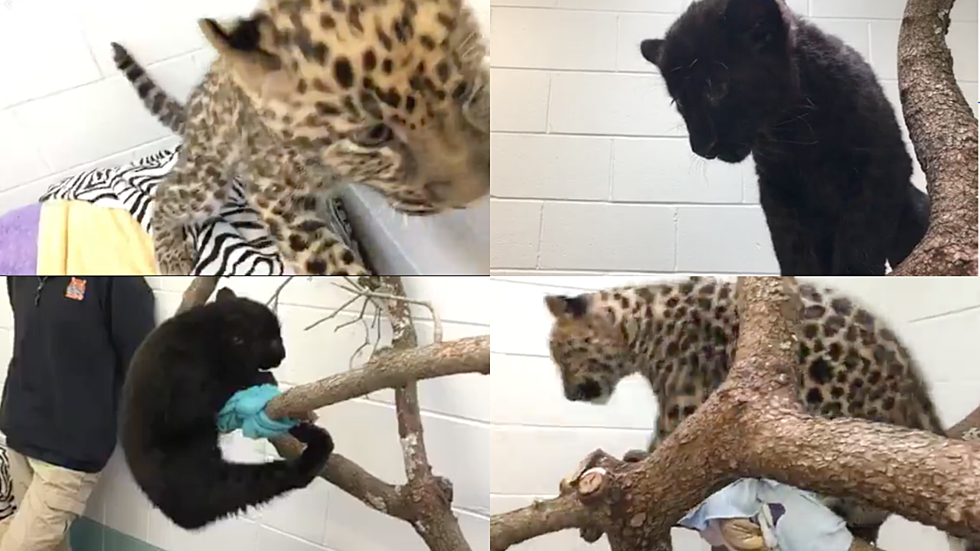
x: 131, y: 315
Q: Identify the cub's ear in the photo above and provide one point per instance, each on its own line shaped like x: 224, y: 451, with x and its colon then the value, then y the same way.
x: 247, y: 48
x: 562, y: 306
x: 761, y: 21
x: 223, y: 294
x: 651, y: 49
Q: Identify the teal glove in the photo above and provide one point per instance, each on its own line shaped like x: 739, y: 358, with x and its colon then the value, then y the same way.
x: 246, y: 410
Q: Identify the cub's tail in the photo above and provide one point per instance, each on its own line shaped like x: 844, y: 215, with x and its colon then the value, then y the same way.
x: 912, y: 226
x: 160, y: 104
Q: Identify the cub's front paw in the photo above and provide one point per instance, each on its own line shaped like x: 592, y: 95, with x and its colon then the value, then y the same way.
x: 175, y: 256
x: 319, y: 446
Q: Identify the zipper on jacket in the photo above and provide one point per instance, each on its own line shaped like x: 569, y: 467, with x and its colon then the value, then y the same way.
x: 40, y: 285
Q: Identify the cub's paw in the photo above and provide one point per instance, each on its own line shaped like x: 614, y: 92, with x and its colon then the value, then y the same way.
x: 174, y: 253
x: 265, y: 378
x: 319, y: 446
x: 353, y: 269
x: 635, y: 456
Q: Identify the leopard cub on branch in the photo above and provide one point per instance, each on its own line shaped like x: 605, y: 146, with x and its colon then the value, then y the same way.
x: 681, y: 337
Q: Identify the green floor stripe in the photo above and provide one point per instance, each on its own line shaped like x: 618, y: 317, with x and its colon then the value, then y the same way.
x: 88, y: 535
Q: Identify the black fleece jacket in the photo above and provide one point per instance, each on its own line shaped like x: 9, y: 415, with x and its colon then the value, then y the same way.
x: 73, y: 341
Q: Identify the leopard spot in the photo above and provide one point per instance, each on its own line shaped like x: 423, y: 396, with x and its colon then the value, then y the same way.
x: 316, y: 266
x: 842, y: 306
x: 814, y: 396
x: 343, y: 72
x: 297, y: 243
x: 814, y: 311
x: 820, y: 372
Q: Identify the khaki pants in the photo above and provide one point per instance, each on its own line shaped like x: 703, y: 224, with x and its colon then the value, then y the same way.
x: 49, y: 499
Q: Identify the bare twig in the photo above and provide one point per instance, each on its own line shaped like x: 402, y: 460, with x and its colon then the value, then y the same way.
x: 392, y: 298
x: 273, y: 301
x: 332, y: 315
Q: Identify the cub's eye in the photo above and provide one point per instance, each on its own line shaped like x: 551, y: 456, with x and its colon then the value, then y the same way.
x: 373, y: 136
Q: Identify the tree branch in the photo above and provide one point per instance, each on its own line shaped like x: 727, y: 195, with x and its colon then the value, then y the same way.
x: 943, y: 131
x: 353, y: 479
x: 392, y: 369
x: 435, y: 522
x: 197, y: 293
x: 753, y: 426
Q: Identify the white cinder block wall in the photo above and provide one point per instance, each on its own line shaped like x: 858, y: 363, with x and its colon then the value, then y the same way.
x: 592, y: 171
x: 540, y: 437
x: 321, y: 517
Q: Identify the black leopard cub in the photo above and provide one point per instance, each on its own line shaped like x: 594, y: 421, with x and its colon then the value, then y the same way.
x: 180, y: 378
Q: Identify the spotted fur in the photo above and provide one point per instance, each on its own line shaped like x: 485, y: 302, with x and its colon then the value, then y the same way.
x: 681, y: 336
x: 308, y: 94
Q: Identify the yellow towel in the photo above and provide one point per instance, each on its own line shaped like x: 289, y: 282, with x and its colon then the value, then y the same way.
x: 79, y: 238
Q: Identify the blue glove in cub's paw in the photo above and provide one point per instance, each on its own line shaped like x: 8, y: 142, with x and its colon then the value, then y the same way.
x: 246, y: 410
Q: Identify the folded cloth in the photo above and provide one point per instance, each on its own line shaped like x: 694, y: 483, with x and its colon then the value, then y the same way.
x: 18, y: 240
x: 246, y: 410
x: 80, y: 238
x: 790, y: 519
x: 235, y: 242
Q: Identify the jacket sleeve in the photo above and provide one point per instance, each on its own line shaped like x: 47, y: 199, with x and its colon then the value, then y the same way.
x: 132, y: 315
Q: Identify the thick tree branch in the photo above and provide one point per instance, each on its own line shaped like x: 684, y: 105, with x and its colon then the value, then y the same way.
x: 537, y: 519
x: 943, y: 131
x: 435, y: 522
x: 353, y: 479
x: 753, y: 426
x: 392, y: 369
x: 198, y: 292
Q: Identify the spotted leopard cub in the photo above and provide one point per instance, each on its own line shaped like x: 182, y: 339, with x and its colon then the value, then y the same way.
x: 308, y: 94
x: 681, y: 336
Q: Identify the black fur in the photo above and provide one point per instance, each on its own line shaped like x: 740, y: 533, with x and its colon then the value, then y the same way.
x: 180, y: 378
x: 749, y: 76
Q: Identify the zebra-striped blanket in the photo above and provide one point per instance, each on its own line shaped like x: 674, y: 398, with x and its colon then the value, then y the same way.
x: 233, y: 243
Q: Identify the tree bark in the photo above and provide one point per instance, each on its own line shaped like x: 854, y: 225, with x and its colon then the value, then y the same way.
x: 943, y: 131
x: 753, y: 426
x: 392, y: 369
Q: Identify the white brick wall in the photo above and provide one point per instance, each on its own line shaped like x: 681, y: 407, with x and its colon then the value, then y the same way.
x: 65, y: 108
x: 321, y: 517
x: 591, y: 168
x: 540, y: 437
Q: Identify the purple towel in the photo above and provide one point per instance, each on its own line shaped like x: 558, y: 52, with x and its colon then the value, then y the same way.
x: 18, y: 240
